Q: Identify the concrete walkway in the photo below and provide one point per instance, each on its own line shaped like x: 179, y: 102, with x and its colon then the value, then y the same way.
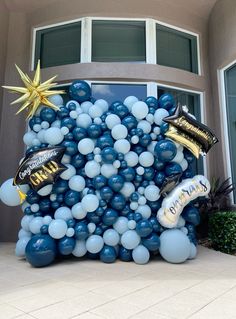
x: 204, y: 288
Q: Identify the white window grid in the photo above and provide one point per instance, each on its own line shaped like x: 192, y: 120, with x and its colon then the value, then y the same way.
x: 86, y: 37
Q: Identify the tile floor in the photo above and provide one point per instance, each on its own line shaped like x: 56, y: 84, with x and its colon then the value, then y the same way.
x: 204, y: 288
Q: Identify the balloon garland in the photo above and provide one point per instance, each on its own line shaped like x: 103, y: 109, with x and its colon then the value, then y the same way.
x: 106, y: 181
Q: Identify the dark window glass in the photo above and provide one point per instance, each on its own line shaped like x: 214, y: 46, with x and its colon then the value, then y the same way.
x: 176, y: 49
x: 59, y: 45
x: 192, y: 101
x: 118, y: 41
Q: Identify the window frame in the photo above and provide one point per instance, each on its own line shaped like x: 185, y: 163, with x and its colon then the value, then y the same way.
x: 86, y: 38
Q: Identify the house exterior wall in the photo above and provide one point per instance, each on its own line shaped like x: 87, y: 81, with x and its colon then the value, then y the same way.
x: 19, y: 39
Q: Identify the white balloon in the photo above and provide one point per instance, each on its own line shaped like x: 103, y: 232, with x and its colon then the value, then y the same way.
x: 66, y: 159
x: 40, y: 136
x: 35, y: 225
x: 108, y: 170
x: 145, y: 126
x: 92, y: 168
x: 132, y: 224
x: 83, y: 120
x: 29, y: 137
x: 9, y: 194
x: 80, y: 248
x: 141, y: 255
x: 102, y: 104
x: 130, y: 239
x: 25, y: 221
x: 47, y: 220
x: 77, y: 183
x: 37, y: 127
x: 112, y: 120
x: 142, y: 200
x: 95, y: 111
x: 181, y: 222
x: 129, y: 101
x: 94, y: 244
x: 159, y: 115
x: 131, y: 158
x: 119, y: 131
x: 152, y: 193
x: 74, y: 102
x: 86, y: 146
x: 144, y: 210
x: 20, y: 246
x: 91, y: 227
x: 57, y: 228
x: 56, y: 123
x: 73, y: 114
x: 127, y: 189
x: 56, y: 99
x: 151, y: 147
x: 184, y: 164
x: 111, y: 237
x: 122, y: 146
x: 45, y: 124
x: 90, y: 202
x: 53, y: 136
x: 133, y: 205
x: 121, y: 224
x: 135, y: 139
x: 70, y: 232
x: 139, y: 110
x: 36, y: 142
x: 69, y: 172
x: 78, y: 212
x: 63, y: 213
x: 85, y: 106
x: 178, y: 157
x: 23, y: 233
x: 140, y: 170
x: 146, y: 159
x: 46, y: 190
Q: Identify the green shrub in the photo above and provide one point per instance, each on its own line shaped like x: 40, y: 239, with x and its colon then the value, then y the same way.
x: 222, y: 231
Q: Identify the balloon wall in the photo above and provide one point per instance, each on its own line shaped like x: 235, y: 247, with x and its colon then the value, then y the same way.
x: 104, y: 203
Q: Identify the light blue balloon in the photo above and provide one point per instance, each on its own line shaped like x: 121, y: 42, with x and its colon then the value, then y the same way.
x: 130, y: 239
x: 26, y: 221
x: 193, y: 251
x: 80, y: 248
x: 94, y: 244
x: 9, y: 194
x: 23, y: 233
x: 20, y: 246
x: 141, y: 255
x: 35, y: 225
x: 175, y: 246
x: 46, y: 190
x: 121, y: 225
x: 111, y: 237
x: 57, y: 228
x: 63, y: 213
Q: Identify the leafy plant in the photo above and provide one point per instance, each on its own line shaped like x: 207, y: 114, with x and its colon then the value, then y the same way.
x: 222, y: 231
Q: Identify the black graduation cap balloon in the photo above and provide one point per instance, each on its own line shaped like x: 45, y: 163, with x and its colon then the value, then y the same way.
x: 169, y: 183
x: 40, y: 168
x: 194, y: 135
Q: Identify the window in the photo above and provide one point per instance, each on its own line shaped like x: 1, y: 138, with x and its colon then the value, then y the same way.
x: 118, y: 41
x: 176, y: 49
x: 192, y: 101
x: 114, y: 92
x: 58, y: 45
x: 230, y: 95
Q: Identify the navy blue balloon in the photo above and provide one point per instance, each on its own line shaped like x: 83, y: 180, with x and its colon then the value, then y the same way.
x: 55, y: 205
x: 99, y: 181
x: 44, y: 205
x: 105, y: 141
x: 128, y: 173
x: 191, y: 228
x: 126, y: 210
x: 63, y: 112
x: 68, y: 122
x: 94, y: 131
x: 145, y: 140
x: 125, y: 254
x: 108, y: 254
x: 41, y: 250
x: 137, y: 217
x: 189, y: 156
x: 48, y: 114
x: 60, y: 186
x: 118, y: 202
x: 166, y: 101
x: 60, y: 198
x: 44, y: 229
x: 159, y: 178
x: 116, y: 182
x: 188, y: 173
x: 139, y: 132
x: 144, y: 228
x: 191, y: 215
x: 134, y: 196
x: 99, y: 211
x: 138, y: 149
x: 92, y: 256
x: 151, y: 101
x: 69, y: 137
x: 81, y: 231
x: 98, y: 231
x: 173, y: 169
x: 80, y: 91
x: 71, y: 198
x: 149, y: 173
x: 158, y: 165
x: 79, y: 133
x: 78, y: 160
x: 93, y: 218
x: 121, y: 110
x: 108, y: 155
x: 66, y: 245
x: 165, y: 150
x: 71, y: 105
x: 28, y: 211
x: 157, y: 228
x: 110, y: 216
x: 154, y: 205
x: 32, y: 197
x: 129, y: 122
x: 106, y: 193
x: 172, y: 110
x: 164, y: 128
x: 71, y: 147
x: 152, y: 242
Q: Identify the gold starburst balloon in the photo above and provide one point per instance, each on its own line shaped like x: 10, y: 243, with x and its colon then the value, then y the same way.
x: 34, y: 93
